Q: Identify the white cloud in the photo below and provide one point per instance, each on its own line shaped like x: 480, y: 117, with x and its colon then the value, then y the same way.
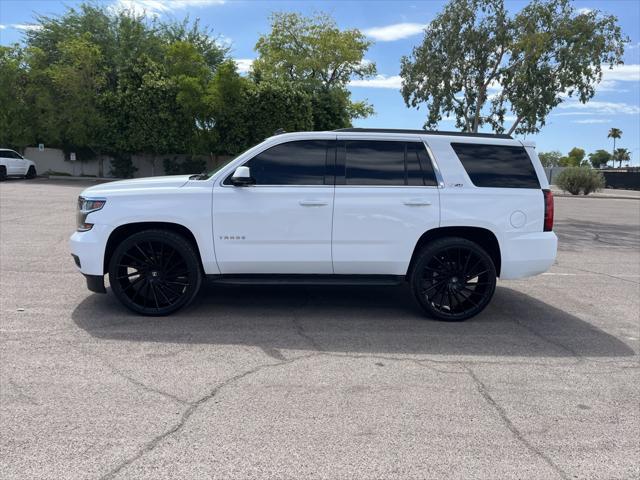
x: 26, y: 26
x: 379, y: 81
x: 2, y: 27
x: 595, y: 107
x: 244, y: 64
x: 393, y: 32
x: 157, y: 7
x: 622, y: 73
x: 584, y: 11
x: 593, y: 120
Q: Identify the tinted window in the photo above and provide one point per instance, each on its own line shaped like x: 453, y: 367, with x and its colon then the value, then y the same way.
x: 374, y: 163
x: 9, y: 154
x: 419, y: 167
x: 497, y: 166
x: 293, y: 163
x: 387, y: 163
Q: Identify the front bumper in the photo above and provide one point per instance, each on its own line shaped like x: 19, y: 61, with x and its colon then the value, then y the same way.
x: 87, y: 249
x: 95, y: 283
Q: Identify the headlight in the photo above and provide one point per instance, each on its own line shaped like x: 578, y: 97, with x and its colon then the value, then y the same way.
x: 85, y: 207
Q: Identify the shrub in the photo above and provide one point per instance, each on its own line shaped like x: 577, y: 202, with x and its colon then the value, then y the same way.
x: 580, y: 179
x: 122, y: 166
x: 187, y: 166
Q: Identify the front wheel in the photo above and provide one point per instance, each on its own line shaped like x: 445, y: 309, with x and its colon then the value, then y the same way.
x: 31, y: 173
x: 453, y: 279
x: 155, y: 272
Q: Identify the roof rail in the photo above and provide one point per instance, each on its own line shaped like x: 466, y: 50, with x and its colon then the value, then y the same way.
x: 424, y: 132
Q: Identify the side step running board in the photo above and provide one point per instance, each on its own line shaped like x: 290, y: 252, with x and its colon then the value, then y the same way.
x: 268, y: 279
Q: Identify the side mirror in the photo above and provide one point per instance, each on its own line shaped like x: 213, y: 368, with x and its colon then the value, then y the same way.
x: 242, y: 177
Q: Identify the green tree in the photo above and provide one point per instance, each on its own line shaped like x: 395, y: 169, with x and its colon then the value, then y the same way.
x: 15, y: 117
x: 119, y: 83
x: 621, y: 155
x: 314, y: 53
x: 599, y: 158
x: 575, y: 158
x: 227, y: 97
x: 615, y: 134
x: 477, y: 63
x: 550, y: 159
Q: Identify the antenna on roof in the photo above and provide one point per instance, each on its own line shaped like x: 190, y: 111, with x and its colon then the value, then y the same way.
x: 280, y: 131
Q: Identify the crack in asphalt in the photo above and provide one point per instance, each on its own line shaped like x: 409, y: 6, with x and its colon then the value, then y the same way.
x: 116, y: 371
x: 193, y: 407
x: 601, y: 273
x: 484, y: 392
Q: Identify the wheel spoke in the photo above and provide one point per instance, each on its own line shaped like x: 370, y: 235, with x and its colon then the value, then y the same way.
x: 155, y: 297
x: 128, y: 275
x: 131, y: 284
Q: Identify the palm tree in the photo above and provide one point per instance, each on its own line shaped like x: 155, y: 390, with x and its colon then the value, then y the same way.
x: 621, y: 155
x: 614, y: 133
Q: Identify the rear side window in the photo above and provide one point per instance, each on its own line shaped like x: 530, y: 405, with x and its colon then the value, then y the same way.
x: 370, y: 162
x: 295, y: 163
x: 497, y: 165
x: 374, y: 163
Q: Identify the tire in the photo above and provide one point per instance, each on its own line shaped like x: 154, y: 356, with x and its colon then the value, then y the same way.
x: 155, y: 272
x: 3, y: 173
x: 31, y: 173
x: 453, y: 279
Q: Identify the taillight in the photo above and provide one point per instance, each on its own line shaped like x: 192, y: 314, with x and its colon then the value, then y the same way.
x: 548, y: 210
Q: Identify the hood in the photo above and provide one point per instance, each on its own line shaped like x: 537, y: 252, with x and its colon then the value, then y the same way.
x: 170, y: 181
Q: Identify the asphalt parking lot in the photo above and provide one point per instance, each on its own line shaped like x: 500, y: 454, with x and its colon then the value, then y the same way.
x: 319, y: 382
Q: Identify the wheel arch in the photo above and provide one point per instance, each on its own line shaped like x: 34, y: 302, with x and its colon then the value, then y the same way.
x: 484, y: 237
x: 128, y: 229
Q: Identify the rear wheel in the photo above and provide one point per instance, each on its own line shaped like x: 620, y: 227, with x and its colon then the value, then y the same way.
x: 31, y: 173
x: 155, y: 272
x: 453, y: 279
x: 3, y: 173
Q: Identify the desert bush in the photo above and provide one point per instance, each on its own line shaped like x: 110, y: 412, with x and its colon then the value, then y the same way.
x: 580, y: 179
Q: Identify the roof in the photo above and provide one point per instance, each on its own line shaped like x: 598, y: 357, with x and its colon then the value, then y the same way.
x: 424, y: 132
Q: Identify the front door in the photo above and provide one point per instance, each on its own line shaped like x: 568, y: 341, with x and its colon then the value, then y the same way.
x: 282, y: 224
x: 386, y: 197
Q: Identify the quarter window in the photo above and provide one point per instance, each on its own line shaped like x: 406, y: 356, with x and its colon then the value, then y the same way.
x: 497, y: 165
x: 295, y: 163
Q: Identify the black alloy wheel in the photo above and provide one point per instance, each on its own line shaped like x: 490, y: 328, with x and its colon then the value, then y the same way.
x: 453, y: 279
x: 155, y: 272
x: 31, y: 173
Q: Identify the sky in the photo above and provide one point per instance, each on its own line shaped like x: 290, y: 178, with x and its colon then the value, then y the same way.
x: 395, y: 27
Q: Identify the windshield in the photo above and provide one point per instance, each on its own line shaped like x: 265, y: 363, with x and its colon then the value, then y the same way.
x: 207, y: 175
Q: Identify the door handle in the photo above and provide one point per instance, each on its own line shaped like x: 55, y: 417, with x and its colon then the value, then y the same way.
x: 417, y: 202
x: 313, y: 203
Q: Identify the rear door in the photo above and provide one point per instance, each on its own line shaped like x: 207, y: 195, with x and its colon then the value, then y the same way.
x: 386, y: 197
x: 282, y: 224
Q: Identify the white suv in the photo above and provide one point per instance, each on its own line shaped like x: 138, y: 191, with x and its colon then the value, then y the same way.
x: 12, y: 164
x: 446, y: 212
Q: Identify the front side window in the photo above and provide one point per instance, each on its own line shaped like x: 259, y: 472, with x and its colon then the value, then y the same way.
x: 497, y: 165
x: 9, y: 154
x: 294, y: 163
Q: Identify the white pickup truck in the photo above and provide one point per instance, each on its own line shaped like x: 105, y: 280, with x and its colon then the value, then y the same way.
x: 446, y: 212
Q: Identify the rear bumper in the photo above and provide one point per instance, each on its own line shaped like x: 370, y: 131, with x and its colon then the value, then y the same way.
x: 525, y: 255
